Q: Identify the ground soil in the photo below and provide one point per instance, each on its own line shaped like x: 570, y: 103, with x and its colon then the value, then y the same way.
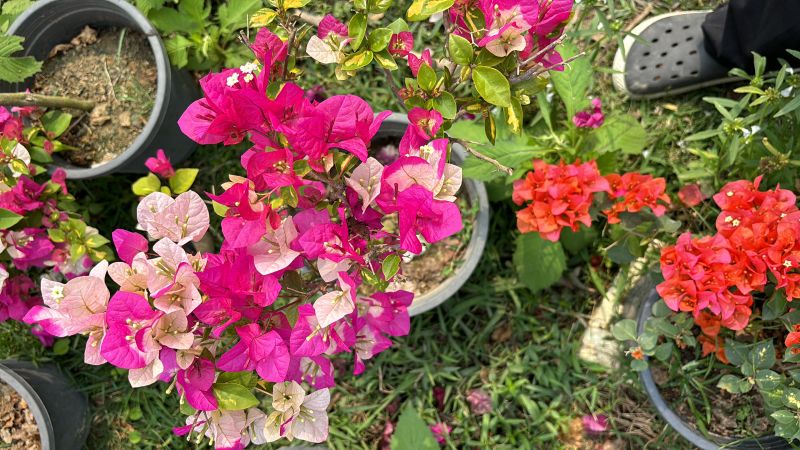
x: 114, y: 68
x: 18, y: 429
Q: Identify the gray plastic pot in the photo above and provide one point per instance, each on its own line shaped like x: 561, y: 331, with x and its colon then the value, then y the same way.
x: 61, y: 412
x: 395, y: 126
x: 678, y: 424
x: 51, y: 22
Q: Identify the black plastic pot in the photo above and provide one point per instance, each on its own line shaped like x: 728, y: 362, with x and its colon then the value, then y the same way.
x: 678, y: 424
x: 395, y: 126
x: 51, y: 22
x: 61, y: 412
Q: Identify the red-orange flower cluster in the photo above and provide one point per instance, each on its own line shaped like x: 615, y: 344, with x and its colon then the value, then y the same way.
x: 561, y: 195
x: 758, y: 233
x: 636, y: 192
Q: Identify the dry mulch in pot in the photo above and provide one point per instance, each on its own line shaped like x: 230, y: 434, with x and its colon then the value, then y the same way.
x: 114, y: 68
x: 18, y: 430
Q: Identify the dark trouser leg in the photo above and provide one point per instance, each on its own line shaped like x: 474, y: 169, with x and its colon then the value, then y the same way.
x: 767, y: 27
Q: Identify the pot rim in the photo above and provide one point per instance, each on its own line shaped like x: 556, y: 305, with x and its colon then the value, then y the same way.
x: 163, y: 70
x: 476, y: 191
x: 674, y: 420
x: 35, y: 403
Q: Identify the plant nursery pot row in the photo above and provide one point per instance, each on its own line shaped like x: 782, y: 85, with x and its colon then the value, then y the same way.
x: 681, y: 426
x: 50, y: 23
x: 60, y: 412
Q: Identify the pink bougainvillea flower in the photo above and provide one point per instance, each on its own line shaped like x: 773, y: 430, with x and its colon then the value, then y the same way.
x: 343, y: 121
x: 590, y: 119
x: 160, y: 165
x: 23, y: 197
x: 366, y: 181
x: 479, y: 401
x: 269, y: 48
x: 595, y: 425
x: 419, y: 212
x: 273, y: 252
x: 264, y: 352
x: 401, y: 44
x: 196, y: 384
x: 128, y: 342
x: 691, y: 195
x: 422, y: 129
x: 334, y: 305
x: 59, y: 177
x: 181, y: 220
x: 28, y: 248
x: 330, y: 24
x: 128, y: 244
x: 415, y: 62
x: 270, y: 170
x: 440, y: 431
x: 504, y: 40
x: 72, y: 308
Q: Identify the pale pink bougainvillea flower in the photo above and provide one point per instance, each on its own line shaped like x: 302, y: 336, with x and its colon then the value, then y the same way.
x: 181, y: 220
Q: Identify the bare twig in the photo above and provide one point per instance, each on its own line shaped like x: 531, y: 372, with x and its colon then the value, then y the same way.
x: 47, y: 101
x: 311, y: 19
x: 482, y: 157
x: 110, y: 83
x: 537, y: 70
x: 390, y: 81
x: 541, y: 52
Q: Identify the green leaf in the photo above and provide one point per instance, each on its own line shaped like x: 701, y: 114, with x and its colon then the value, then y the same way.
x: 390, y: 266
x: 514, y: 116
x: 492, y: 86
x: 178, y: 50
x: 15, y: 7
x: 445, y: 103
x: 768, y: 380
x: 573, y: 84
x: 234, y: 397
x: 14, y: 69
x: 169, y: 20
x: 623, y: 133
x: 736, y: 352
x: 624, y: 330
x: 539, y: 262
x: 703, y: 135
x: 791, y: 398
x: 61, y: 347
x: 146, y: 185
x: 56, y: 235
x: 575, y: 241
x: 262, y: 17
x: 663, y: 351
x: 233, y: 14
x: 246, y: 379
x: 379, y: 6
x: 789, y: 107
x: 398, y: 26
x: 461, y: 50
x: 56, y: 122
x: 412, y: 433
x: 385, y: 59
x: 639, y: 365
x: 379, y: 39
x: 422, y: 9
x: 182, y: 180
x: 358, y: 60
x: 426, y: 78
x: 783, y: 416
x: 357, y: 29
x: 734, y: 384
x: 289, y: 196
x: 96, y: 241
x: 625, y: 251
x: 774, y: 307
x: 762, y: 356
x: 8, y: 219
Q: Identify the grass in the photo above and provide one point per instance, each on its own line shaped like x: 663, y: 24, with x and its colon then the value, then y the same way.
x: 495, y: 334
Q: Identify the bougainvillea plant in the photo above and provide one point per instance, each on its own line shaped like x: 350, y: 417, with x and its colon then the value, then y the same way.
x: 737, y: 286
x: 312, y: 237
x: 41, y: 235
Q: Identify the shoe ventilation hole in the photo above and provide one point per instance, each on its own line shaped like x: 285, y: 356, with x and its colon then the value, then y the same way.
x: 657, y: 77
x: 674, y: 44
x: 694, y: 73
x: 655, y: 40
x: 643, y: 68
x: 680, y: 63
x: 674, y: 76
x: 693, y: 52
x: 646, y: 53
x: 669, y: 30
x: 686, y: 27
x: 663, y: 54
x: 690, y: 39
x: 658, y: 66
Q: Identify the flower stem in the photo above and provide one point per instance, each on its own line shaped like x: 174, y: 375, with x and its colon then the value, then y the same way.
x: 507, y: 170
x: 46, y: 101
